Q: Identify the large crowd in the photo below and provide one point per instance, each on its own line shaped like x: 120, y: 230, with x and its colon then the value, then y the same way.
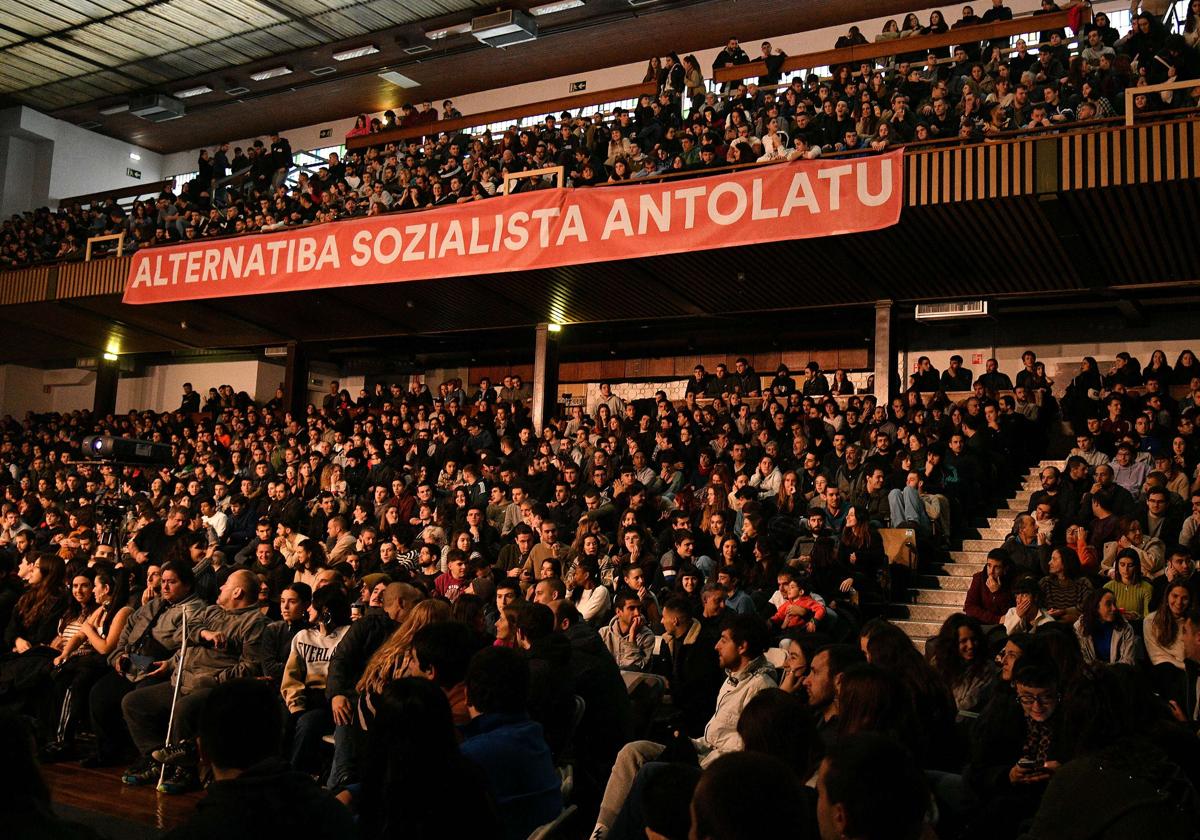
x: 974, y: 92
x: 408, y: 613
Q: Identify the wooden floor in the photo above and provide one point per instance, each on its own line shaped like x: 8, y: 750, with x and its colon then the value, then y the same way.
x: 100, y: 791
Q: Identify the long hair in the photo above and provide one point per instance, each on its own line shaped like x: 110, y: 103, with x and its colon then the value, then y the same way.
x: 942, y: 650
x: 387, y: 662
x: 872, y: 700
x: 75, y: 610
x: 47, y: 594
x: 1165, y: 627
x: 1089, y: 620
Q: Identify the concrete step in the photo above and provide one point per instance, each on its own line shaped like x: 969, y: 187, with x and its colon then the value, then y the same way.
x: 942, y: 597
x: 952, y: 583
x: 925, y: 612
x: 976, y: 557
x: 998, y: 534
x: 918, y: 631
x: 964, y: 570
x: 1003, y: 518
x: 983, y: 545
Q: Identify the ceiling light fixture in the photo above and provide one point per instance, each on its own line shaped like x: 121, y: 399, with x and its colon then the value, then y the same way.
x: 134, y: 156
x: 199, y: 90
x: 263, y: 75
x: 355, y: 52
x: 438, y: 34
x: 399, y: 79
x: 558, y: 6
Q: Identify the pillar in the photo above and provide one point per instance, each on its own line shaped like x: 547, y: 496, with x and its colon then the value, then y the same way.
x: 885, y: 352
x: 295, y: 380
x: 545, y: 374
x: 108, y: 372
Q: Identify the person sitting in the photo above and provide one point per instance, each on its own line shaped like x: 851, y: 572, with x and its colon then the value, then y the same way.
x: 224, y: 642
x: 627, y: 637
x: 1026, y: 614
x: 1012, y: 759
x: 740, y: 650
x: 254, y: 792
x: 1064, y: 588
x: 82, y: 663
x: 1105, y: 637
x: 441, y: 653
x: 414, y: 774
x: 1132, y: 592
x: 798, y: 609
x: 990, y: 595
x: 508, y: 745
x: 958, y: 654
x: 695, y: 673
x: 1150, y: 551
x: 737, y: 799
x: 1164, y: 641
x: 306, y: 673
x: 869, y: 786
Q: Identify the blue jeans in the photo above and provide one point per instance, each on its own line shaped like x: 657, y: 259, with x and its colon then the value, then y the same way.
x: 906, y: 507
x: 342, y: 771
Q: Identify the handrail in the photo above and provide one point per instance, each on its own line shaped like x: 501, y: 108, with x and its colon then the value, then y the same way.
x: 883, y: 49
x: 1068, y: 128
x: 1131, y: 92
x: 557, y: 171
x: 108, y: 237
x: 576, y: 101
x: 135, y: 191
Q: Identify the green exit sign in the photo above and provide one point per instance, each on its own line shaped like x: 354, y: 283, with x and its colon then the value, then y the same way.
x: 133, y: 173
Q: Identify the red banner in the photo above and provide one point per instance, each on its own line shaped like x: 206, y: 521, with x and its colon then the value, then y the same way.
x: 539, y: 229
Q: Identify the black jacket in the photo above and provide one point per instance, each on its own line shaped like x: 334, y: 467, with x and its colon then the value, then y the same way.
x: 268, y: 799
x: 354, y: 650
x: 696, y: 677
x: 607, y: 723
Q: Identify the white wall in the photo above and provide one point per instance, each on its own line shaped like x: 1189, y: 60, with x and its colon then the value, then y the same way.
x: 52, y: 159
x: 24, y: 389
x: 1062, y: 360
x: 162, y: 386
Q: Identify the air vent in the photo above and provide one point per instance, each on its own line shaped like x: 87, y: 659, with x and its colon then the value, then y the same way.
x: 418, y: 49
x: 947, y: 311
x: 322, y: 71
x: 237, y: 91
x: 156, y: 108
x: 503, y: 29
x: 275, y: 351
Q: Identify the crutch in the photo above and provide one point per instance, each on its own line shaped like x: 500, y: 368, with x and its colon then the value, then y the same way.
x: 162, y: 771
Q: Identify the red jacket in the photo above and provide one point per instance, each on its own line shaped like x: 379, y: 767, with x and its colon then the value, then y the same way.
x: 983, y: 604
x: 815, y: 608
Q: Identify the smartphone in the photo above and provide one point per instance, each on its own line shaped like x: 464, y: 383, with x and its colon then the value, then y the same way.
x: 139, y: 664
x: 1028, y: 764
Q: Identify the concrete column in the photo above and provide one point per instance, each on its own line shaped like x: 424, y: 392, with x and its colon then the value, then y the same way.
x: 295, y: 380
x: 884, y: 350
x: 108, y: 372
x: 545, y: 375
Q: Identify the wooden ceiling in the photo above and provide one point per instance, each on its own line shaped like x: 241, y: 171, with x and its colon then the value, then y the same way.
x: 74, y: 58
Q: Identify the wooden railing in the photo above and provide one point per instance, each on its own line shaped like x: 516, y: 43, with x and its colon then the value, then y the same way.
x: 1061, y: 159
x: 922, y: 44
x: 136, y: 191
x: 548, y: 106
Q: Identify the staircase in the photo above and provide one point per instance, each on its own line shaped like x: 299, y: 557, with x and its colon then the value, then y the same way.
x: 941, y: 589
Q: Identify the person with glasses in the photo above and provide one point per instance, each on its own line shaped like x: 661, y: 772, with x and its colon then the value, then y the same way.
x: 1014, y: 755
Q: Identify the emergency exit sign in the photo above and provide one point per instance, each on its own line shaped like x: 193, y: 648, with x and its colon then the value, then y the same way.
x: 133, y: 173
x: 578, y: 87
